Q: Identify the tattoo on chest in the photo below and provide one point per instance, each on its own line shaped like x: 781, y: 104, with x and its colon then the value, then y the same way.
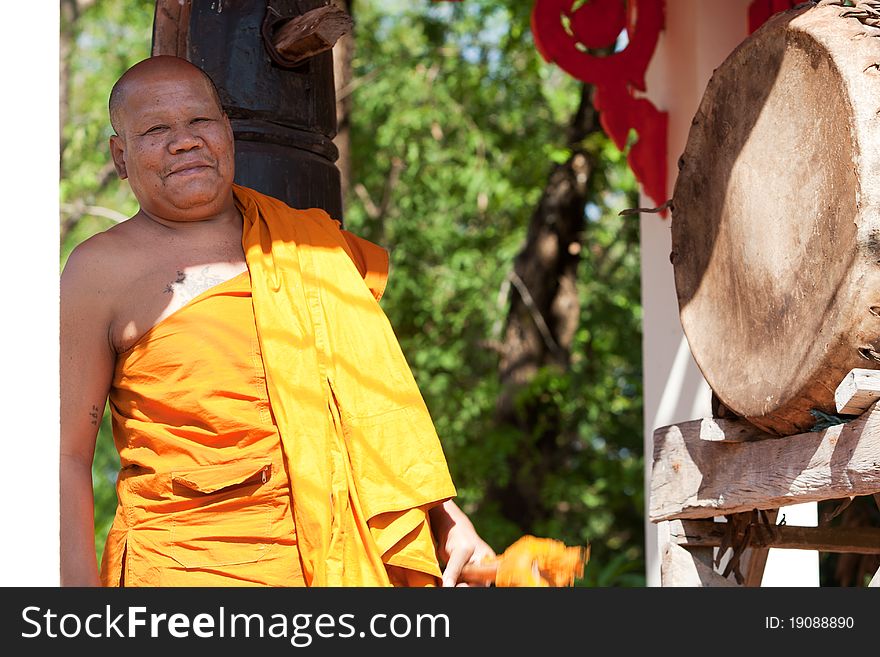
x: 181, y: 278
x: 94, y: 415
x: 188, y: 286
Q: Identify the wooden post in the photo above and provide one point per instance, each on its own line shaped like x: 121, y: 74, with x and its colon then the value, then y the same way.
x: 689, y: 567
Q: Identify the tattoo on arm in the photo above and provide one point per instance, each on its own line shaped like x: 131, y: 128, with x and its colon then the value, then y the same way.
x: 95, y: 415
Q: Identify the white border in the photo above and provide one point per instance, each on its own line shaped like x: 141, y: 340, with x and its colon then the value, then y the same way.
x: 29, y: 325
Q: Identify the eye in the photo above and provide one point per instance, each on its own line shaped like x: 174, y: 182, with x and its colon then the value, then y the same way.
x: 155, y: 129
x: 201, y: 119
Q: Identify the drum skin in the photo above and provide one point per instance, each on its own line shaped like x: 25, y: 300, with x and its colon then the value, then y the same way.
x: 776, y: 218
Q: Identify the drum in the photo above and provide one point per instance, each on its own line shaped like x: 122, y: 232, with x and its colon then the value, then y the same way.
x: 776, y: 216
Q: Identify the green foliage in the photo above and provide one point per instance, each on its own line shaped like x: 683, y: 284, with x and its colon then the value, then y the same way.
x: 105, y: 468
x: 459, y: 95
x: 107, y: 38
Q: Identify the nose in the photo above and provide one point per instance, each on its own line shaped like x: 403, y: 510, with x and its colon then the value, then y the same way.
x: 183, y: 140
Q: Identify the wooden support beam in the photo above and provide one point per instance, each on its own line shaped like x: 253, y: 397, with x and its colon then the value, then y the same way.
x: 721, y: 430
x: 755, y: 558
x: 683, y: 567
x: 697, y: 478
x: 707, y: 533
x: 858, y: 390
x: 294, y: 41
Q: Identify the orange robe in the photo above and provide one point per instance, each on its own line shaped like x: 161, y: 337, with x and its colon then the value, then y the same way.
x: 270, y: 431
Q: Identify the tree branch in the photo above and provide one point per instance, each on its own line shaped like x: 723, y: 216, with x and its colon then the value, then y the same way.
x: 535, y: 312
x: 80, y: 206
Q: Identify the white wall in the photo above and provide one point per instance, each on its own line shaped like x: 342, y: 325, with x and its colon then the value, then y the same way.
x: 29, y: 329
x: 698, y: 37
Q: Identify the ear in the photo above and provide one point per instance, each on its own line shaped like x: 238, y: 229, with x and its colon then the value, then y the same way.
x: 117, y: 152
x: 229, y: 127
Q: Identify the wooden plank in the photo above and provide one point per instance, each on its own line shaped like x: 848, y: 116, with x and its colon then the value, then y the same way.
x: 171, y: 27
x: 312, y: 33
x: 854, y: 540
x: 696, y: 478
x: 858, y: 390
x: 679, y: 567
x: 689, y: 533
x: 755, y: 558
x: 721, y: 430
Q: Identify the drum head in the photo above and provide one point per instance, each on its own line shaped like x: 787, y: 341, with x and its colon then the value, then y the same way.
x: 776, y: 221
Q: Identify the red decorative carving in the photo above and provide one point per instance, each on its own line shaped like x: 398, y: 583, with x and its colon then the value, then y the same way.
x: 761, y: 10
x: 566, y: 30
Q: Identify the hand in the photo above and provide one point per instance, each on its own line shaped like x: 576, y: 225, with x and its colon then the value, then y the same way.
x: 457, y: 541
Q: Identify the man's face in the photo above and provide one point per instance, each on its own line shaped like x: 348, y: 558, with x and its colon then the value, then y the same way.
x: 175, y: 146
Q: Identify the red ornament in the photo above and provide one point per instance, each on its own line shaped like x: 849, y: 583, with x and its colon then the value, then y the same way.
x: 761, y: 10
x: 565, y: 35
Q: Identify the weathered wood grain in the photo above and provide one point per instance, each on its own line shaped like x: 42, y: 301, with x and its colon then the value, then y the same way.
x: 314, y: 32
x: 729, y: 430
x: 680, y: 568
x: 777, y: 308
x: 697, y: 478
x: 171, y: 27
x: 858, y: 390
x: 854, y: 540
x: 752, y: 561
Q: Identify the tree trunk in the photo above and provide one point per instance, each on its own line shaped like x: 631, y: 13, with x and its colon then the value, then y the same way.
x: 544, y: 313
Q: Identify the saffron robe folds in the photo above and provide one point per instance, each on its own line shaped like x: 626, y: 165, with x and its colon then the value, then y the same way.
x: 326, y: 421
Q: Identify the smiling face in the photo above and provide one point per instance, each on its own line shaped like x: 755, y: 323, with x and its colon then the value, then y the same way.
x: 174, y: 143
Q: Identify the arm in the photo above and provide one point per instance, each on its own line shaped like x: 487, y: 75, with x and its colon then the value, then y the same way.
x: 87, y: 362
x: 458, y: 541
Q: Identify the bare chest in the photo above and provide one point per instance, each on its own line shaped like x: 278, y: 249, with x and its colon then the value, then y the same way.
x: 161, y: 290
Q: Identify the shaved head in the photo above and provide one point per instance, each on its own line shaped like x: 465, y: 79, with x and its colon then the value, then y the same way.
x: 151, y: 68
x: 173, y: 143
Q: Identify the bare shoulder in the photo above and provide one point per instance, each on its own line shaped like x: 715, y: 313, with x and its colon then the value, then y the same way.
x: 97, y: 268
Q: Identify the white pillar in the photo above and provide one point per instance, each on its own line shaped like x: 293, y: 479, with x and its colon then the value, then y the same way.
x: 29, y: 331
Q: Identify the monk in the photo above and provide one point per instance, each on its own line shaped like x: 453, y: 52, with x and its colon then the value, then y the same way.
x: 269, y: 430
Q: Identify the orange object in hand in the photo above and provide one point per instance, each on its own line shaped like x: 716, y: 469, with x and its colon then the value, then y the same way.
x: 531, y: 561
